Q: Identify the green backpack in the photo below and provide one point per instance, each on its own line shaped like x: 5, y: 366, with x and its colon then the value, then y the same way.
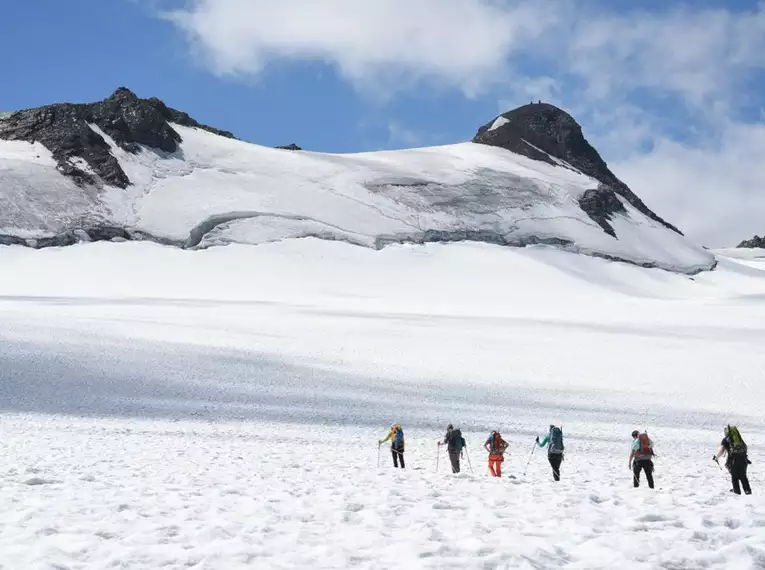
x: 737, y: 444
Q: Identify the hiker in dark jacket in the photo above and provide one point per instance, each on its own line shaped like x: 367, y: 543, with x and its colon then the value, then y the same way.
x: 454, y: 444
x: 737, y: 461
x: 554, y: 442
x: 642, y: 453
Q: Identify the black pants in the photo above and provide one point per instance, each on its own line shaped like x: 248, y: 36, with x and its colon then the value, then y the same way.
x: 398, y: 455
x: 645, y: 465
x: 555, y: 460
x: 738, y: 476
x: 454, y: 457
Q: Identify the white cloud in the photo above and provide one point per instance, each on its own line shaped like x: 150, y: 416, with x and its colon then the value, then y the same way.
x: 399, y: 135
x: 460, y: 42
x: 703, y: 56
x: 638, y: 81
x: 715, y: 193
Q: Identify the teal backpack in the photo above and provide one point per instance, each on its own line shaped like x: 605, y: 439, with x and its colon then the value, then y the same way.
x: 556, y: 440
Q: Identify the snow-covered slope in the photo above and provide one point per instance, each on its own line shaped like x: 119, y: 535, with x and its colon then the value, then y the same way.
x: 220, y: 409
x: 129, y: 167
x: 216, y: 190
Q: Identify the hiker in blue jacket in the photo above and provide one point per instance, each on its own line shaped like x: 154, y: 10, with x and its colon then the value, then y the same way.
x: 554, y: 442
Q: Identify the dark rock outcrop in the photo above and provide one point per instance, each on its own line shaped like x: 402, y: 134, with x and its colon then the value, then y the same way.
x: 132, y: 122
x: 755, y: 242
x: 600, y: 204
x: 80, y: 235
x: 291, y: 146
x: 544, y: 132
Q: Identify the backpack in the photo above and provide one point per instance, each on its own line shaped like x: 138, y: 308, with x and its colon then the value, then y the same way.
x: 498, y: 444
x: 644, y: 446
x: 399, y: 438
x: 737, y: 445
x: 556, y: 440
x: 458, y: 442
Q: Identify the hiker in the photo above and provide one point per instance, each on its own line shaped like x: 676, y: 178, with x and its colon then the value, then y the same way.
x: 396, y: 437
x: 554, y: 442
x: 454, y: 444
x: 737, y: 461
x: 496, y: 447
x: 642, y: 453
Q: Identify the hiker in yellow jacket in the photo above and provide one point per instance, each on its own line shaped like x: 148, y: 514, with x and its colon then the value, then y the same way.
x: 396, y: 437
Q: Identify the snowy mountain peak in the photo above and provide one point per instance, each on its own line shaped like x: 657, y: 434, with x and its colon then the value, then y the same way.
x: 542, y: 131
x: 65, y: 129
x: 129, y: 168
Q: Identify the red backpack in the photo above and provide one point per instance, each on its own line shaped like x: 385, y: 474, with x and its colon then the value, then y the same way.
x: 644, y: 446
x: 498, y: 445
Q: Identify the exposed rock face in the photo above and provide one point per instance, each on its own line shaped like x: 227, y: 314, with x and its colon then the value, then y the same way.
x: 544, y: 132
x: 600, y: 204
x: 79, y: 235
x: 755, y: 242
x: 291, y: 146
x: 64, y: 129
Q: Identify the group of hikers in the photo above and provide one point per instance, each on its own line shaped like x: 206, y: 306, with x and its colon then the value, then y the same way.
x: 640, y: 458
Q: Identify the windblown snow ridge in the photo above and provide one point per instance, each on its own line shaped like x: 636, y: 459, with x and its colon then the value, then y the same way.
x: 129, y: 168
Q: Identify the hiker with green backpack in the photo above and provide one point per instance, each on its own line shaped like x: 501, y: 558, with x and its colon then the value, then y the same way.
x: 554, y: 442
x: 738, y: 461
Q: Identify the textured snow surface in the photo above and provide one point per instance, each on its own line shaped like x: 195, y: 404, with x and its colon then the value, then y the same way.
x: 367, y: 199
x: 143, y: 494
x: 220, y: 408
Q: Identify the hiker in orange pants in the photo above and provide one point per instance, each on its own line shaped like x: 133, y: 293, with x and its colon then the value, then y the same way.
x: 496, y: 446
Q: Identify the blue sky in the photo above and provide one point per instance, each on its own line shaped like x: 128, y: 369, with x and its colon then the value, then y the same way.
x: 670, y: 93
x: 83, y: 50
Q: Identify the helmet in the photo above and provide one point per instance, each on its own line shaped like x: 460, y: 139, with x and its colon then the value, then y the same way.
x: 450, y: 426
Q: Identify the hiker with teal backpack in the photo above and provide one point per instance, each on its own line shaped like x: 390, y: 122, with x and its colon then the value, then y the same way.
x: 738, y: 461
x: 554, y: 442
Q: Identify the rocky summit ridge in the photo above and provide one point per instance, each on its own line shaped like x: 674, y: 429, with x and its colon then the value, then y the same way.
x: 542, y: 131
x: 65, y: 130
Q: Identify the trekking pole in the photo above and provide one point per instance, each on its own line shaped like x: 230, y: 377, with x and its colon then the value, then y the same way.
x: 714, y: 458
x: 378, y: 455
x: 438, y: 454
x: 533, y: 449
x: 468, y: 458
